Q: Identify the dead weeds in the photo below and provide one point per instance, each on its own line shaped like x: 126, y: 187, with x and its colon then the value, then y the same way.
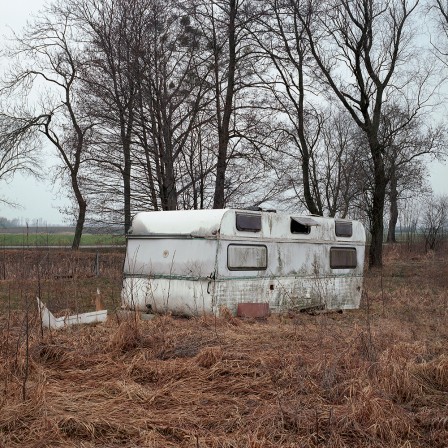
x: 374, y: 377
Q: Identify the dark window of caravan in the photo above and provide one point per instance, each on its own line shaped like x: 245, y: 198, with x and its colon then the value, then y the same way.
x: 302, y: 224
x: 247, y: 257
x: 343, y: 228
x: 343, y: 258
x: 248, y: 223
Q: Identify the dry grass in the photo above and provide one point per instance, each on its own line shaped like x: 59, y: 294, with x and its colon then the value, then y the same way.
x: 374, y: 377
x: 64, y: 280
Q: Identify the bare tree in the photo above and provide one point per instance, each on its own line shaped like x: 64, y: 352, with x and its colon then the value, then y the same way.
x: 281, y: 38
x: 440, y: 42
x: 341, y: 173
x: 410, y: 218
x: 405, y: 180
x: 173, y: 98
x: 225, y: 23
x: 224, y: 93
x: 50, y: 61
x: 407, y: 140
x: 114, y: 35
x: 360, y: 47
x: 435, y: 219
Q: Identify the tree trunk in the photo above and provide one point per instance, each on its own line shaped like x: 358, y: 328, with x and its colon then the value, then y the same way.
x: 377, y: 210
x: 393, y: 197
x: 79, y: 225
x: 126, y: 174
x: 169, y: 181
x: 221, y: 165
x: 223, y: 127
x: 311, y: 204
x: 309, y: 200
x: 82, y: 207
x: 169, y: 194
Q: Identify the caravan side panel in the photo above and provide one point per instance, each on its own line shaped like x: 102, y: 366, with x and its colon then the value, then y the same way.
x: 169, y: 274
x: 296, y: 275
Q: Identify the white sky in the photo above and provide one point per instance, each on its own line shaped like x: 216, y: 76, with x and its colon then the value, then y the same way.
x: 40, y: 200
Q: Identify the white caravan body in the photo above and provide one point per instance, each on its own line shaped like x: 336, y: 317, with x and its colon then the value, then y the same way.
x: 198, y: 261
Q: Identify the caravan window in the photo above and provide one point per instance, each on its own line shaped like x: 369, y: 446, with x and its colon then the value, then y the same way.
x: 343, y: 258
x: 248, y: 223
x: 245, y: 257
x: 302, y: 224
x: 343, y: 228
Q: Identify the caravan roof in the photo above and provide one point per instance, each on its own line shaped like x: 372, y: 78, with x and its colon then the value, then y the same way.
x: 177, y: 222
x: 246, y: 224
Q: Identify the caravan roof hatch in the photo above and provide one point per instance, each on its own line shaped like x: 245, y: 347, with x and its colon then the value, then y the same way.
x: 302, y: 224
x: 305, y: 221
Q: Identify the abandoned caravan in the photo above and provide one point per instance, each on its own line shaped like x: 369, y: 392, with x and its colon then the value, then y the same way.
x: 198, y: 261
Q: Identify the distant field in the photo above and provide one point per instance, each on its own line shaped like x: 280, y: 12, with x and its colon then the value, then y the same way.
x: 58, y: 239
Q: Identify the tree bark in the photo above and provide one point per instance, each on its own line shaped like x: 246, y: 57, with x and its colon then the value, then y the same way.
x: 82, y: 207
x: 393, y: 219
x: 126, y: 174
x: 224, y: 124
x: 377, y: 209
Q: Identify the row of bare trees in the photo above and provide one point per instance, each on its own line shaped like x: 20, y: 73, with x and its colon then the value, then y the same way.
x: 160, y: 105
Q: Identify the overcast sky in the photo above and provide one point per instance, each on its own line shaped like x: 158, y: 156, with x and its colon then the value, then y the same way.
x: 38, y: 199
x: 42, y: 200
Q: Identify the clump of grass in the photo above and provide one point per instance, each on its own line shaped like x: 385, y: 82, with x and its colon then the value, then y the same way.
x: 209, y: 357
x: 126, y: 338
